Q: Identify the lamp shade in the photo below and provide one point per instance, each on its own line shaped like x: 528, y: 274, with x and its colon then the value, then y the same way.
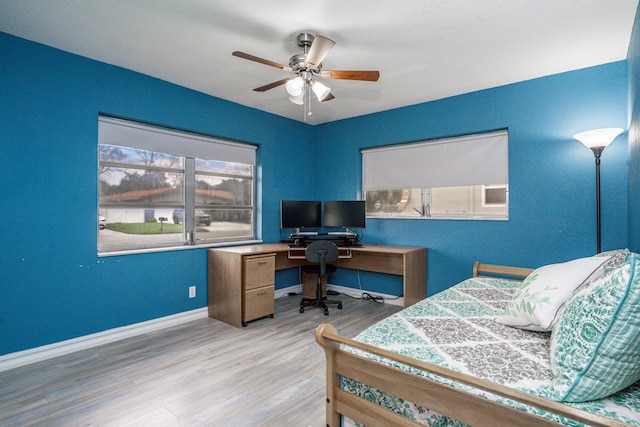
x: 294, y: 86
x: 598, y: 137
x: 320, y: 90
x: 297, y: 99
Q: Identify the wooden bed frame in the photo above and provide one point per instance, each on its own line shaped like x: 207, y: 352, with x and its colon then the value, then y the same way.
x: 445, y: 400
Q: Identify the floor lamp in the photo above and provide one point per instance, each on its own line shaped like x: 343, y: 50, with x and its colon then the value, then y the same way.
x: 597, y: 140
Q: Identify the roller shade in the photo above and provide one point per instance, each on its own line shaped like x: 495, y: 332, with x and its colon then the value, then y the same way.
x: 468, y: 160
x: 128, y: 134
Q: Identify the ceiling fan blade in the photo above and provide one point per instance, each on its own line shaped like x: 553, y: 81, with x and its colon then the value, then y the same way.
x: 369, y: 76
x: 260, y: 60
x: 318, y: 51
x: 271, y: 85
x: 328, y: 97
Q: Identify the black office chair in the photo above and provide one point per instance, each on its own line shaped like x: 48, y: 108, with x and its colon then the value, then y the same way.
x: 321, y: 252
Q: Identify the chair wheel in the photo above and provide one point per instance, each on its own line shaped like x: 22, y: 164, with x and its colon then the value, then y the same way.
x: 340, y: 306
x: 326, y: 312
x: 301, y: 310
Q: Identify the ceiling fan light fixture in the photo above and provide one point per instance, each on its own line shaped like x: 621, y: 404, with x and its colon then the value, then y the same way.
x: 294, y: 86
x: 299, y: 100
x: 320, y: 90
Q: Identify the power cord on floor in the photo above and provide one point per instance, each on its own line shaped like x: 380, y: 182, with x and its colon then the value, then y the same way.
x: 376, y: 299
x: 365, y: 296
x: 368, y: 296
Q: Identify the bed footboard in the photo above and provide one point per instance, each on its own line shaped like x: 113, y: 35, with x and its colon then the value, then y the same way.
x: 443, y: 399
x: 480, y: 270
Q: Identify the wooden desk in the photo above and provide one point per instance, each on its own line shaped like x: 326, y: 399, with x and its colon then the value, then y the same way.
x: 226, y: 282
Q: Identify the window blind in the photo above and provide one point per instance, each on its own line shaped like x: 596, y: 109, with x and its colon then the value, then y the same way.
x: 467, y: 160
x: 124, y: 133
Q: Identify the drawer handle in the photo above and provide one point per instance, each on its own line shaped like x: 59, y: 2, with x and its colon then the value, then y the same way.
x: 262, y: 262
x: 261, y: 293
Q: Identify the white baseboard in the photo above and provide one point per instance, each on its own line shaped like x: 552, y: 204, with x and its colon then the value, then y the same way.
x: 352, y: 292
x: 296, y: 289
x: 38, y: 354
x: 357, y: 293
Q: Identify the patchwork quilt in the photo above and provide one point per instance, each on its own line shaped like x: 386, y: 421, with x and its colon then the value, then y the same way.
x: 456, y: 329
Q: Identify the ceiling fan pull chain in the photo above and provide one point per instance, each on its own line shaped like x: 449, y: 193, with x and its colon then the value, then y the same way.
x: 307, y: 101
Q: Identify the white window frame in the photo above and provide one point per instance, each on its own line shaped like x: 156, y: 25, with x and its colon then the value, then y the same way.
x: 189, y: 146
x: 486, y: 203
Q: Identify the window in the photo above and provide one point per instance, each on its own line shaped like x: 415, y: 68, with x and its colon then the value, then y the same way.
x: 494, y: 195
x: 455, y: 178
x: 163, y: 188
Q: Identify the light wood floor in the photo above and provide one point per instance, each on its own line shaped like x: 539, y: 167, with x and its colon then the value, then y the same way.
x: 202, y: 373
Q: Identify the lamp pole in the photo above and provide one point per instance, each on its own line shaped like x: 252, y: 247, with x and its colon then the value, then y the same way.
x: 597, y: 140
x: 597, y: 151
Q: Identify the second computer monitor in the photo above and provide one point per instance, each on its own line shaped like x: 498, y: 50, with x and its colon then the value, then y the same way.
x: 344, y: 214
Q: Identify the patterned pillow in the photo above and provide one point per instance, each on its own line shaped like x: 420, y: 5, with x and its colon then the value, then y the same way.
x: 616, y: 257
x: 595, y: 346
x: 536, y: 303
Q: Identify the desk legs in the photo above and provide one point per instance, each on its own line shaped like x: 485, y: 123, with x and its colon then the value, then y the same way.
x: 415, y: 277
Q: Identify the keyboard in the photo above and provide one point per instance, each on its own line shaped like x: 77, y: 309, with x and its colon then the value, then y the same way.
x: 348, y: 245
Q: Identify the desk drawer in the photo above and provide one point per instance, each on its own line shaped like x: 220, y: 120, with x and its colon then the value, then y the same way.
x: 259, y: 302
x: 259, y: 271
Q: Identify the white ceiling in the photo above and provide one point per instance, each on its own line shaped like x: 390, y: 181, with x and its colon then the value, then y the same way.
x: 424, y: 49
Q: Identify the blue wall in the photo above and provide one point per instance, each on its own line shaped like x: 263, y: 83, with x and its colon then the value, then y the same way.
x: 54, y: 287
x: 551, y: 175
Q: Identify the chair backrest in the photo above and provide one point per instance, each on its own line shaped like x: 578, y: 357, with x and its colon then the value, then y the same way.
x: 322, y: 251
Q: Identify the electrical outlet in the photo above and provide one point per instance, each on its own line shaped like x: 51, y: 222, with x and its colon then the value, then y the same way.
x: 192, y: 291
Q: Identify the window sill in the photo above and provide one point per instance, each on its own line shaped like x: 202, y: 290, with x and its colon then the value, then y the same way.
x: 175, y: 248
x: 444, y: 217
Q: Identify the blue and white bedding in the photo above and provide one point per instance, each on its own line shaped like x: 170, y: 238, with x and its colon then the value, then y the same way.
x: 456, y: 329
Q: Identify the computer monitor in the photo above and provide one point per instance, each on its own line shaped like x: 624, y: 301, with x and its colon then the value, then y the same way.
x: 300, y: 214
x: 345, y: 214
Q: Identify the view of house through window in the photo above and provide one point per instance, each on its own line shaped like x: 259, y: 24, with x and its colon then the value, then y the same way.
x: 151, y: 199
x: 440, y: 202
x: 453, y: 178
x: 224, y: 197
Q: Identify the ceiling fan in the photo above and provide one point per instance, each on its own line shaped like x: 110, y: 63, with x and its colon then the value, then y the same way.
x: 306, y: 67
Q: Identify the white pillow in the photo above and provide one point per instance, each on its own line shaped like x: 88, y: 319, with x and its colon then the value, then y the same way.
x: 538, y: 300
